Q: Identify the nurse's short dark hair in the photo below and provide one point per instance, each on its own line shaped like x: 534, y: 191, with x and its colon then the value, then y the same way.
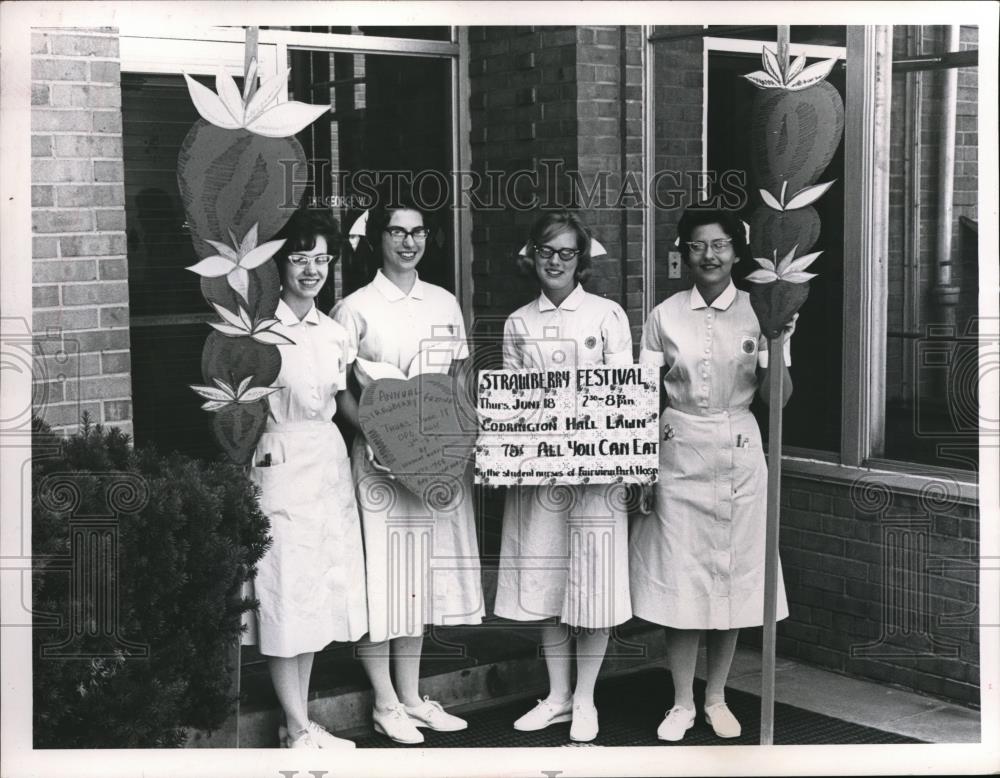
x: 301, y: 231
x: 729, y: 221
x: 545, y: 228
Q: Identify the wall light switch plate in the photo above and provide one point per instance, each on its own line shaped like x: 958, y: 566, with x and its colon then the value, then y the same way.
x: 674, y: 264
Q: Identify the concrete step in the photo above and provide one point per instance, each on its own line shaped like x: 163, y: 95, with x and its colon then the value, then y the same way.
x: 469, y: 668
x: 460, y: 666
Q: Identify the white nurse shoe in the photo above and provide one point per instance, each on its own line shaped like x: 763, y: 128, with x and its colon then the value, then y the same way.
x: 325, y: 738
x: 430, y: 714
x: 584, y: 727
x: 305, y: 740
x: 722, y: 720
x: 544, y: 714
x: 677, y: 722
x: 396, y: 725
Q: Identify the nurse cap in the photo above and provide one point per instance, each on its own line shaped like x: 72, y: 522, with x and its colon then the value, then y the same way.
x: 358, y: 230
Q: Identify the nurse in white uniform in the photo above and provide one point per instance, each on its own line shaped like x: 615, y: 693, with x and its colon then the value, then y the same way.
x: 422, y: 562
x: 697, y: 561
x: 307, y: 581
x: 564, y: 549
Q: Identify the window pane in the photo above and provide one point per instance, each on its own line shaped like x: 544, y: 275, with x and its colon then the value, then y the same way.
x: 157, y: 114
x: 166, y: 345
x: 813, y: 416
x: 931, y: 413
x: 390, y: 114
x: 391, y: 117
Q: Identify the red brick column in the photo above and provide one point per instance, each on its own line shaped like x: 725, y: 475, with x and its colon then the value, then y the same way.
x: 79, y: 267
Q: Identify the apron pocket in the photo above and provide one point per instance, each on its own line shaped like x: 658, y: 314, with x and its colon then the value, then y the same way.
x: 277, y: 487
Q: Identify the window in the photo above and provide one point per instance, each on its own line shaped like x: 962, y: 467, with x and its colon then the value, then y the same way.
x: 932, y: 355
x: 393, y: 98
x: 702, y: 149
x: 886, y: 360
x: 812, y: 418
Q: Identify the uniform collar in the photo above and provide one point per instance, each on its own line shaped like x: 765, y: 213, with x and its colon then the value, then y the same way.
x: 393, y: 293
x: 287, y: 316
x: 571, y: 303
x: 720, y: 303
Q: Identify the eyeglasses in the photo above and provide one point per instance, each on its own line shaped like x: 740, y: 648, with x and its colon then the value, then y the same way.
x: 398, y: 234
x: 319, y: 259
x: 699, y: 246
x: 566, y: 255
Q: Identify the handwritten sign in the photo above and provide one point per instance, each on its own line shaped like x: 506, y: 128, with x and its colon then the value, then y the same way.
x: 414, y: 428
x: 595, y: 425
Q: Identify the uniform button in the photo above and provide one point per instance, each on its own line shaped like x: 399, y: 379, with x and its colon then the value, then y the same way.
x: 708, y: 351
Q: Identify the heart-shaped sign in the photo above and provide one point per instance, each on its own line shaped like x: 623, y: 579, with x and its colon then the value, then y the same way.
x: 415, y: 429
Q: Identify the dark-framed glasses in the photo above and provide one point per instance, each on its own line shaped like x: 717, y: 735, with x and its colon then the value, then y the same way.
x: 398, y: 234
x: 719, y: 244
x: 566, y: 255
x: 318, y: 259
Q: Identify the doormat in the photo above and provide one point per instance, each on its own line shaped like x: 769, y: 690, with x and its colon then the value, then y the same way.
x: 631, y: 708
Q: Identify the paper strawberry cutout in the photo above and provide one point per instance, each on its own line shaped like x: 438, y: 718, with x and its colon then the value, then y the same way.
x: 241, y: 415
x: 779, y: 290
x: 237, y: 429
x: 797, y: 120
x: 233, y: 171
x: 260, y: 113
x: 235, y: 262
x: 238, y: 358
x: 783, y: 222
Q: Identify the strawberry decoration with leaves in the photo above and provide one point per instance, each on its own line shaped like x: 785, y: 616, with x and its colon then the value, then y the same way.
x: 797, y: 121
x: 231, y: 172
x: 779, y: 289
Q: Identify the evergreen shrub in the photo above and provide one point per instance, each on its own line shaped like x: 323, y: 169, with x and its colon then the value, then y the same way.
x: 139, y: 558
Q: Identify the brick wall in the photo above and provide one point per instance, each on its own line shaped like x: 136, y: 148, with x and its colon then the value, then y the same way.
x: 564, y: 105
x: 609, y: 133
x: 523, y: 111
x: 677, y: 140
x: 79, y: 269
x: 881, y: 584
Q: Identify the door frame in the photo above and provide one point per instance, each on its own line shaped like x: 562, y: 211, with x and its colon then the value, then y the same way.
x: 200, y: 51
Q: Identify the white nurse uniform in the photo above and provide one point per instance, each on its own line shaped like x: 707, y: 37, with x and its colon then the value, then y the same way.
x: 564, y: 549
x: 697, y: 561
x: 309, y: 581
x: 422, y: 564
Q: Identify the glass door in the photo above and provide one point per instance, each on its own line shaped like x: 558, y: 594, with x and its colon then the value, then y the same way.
x: 392, y: 116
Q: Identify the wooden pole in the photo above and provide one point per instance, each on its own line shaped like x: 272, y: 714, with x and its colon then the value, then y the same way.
x: 249, y: 55
x: 776, y: 378
x: 776, y: 381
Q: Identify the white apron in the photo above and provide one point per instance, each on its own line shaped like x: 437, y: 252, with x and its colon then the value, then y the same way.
x: 310, y: 582
x: 564, y: 552
x: 564, y: 549
x: 697, y: 561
